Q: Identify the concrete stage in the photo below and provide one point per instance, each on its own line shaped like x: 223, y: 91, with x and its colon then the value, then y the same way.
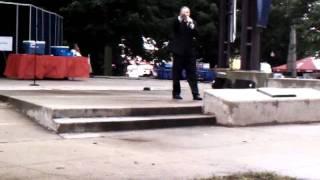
x: 105, y: 105
x: 101, y: 83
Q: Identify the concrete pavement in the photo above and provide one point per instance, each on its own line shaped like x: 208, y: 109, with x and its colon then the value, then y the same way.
x: 27, y: 151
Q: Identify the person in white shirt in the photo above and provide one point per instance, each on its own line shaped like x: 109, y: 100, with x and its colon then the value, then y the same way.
x: 76, y: 50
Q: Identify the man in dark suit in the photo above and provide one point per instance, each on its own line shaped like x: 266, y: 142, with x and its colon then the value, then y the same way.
x: 182, y: 47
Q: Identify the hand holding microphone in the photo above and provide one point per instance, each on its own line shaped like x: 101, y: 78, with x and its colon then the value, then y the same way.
x: 190, y: 23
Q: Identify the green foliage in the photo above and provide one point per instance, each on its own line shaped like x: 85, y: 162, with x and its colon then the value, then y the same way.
x: 96, y: 23
x: 304, y: 15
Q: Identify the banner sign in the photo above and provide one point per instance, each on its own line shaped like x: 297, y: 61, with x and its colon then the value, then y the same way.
x: 263, y: 10
x: 6, y: 43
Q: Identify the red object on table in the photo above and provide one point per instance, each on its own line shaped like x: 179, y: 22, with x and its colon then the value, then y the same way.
x: 21, y: 66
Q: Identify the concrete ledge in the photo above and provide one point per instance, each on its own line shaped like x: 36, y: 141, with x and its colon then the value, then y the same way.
x: 250, y: 107
x: 41, y: 115
x: 123, y: 111
x: 83, y: 125
x: 294, y: 83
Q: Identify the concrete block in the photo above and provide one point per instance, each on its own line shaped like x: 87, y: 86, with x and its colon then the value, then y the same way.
x: 234, y: 107
x: 294, y: 83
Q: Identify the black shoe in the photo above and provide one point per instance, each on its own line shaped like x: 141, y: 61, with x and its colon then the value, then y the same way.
x: 177, y: 97
x: 197, y: 98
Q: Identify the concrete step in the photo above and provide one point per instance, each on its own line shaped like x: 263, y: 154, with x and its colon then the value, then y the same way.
x: 91, y: 117
x: 84, y: 125
x: 125, y: 111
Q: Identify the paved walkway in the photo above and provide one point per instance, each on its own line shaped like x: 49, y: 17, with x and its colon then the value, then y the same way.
x: 27, y: 151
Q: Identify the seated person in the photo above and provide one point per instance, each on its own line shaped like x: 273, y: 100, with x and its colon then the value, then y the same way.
x: 76, y: 50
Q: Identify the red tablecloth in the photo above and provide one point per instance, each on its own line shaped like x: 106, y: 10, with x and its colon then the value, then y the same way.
x: 21, y: 66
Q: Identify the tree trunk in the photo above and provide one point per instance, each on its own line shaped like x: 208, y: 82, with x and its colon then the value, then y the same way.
x: 292, y: 54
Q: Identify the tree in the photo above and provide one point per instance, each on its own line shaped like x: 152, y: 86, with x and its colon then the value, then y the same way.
x: 96, y: 23
x: 284, y: 13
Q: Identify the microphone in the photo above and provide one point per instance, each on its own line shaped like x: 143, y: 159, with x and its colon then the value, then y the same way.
x: 190, y: 23
x: 187, y: 20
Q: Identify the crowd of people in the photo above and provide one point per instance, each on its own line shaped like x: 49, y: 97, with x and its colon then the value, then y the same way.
x: 135, y: 65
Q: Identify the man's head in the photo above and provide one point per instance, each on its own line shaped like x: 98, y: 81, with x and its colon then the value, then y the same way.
x: 185, y: 12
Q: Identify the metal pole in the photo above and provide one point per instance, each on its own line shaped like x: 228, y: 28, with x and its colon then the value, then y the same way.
x: 37, y: 25
x: 58, y: 30
x: 50, y: 30
x: 55, y: 30
x: 245, y: 45
x: 17, y: 29
x: 232, y: 20
x: 255, y: 38
x: 250, y: 37
x: 42, y: 14
x: 223, y: 55
x: 35, y: 54
x: 30, y: 22
x: 62, y: 34
x: 255, y: 49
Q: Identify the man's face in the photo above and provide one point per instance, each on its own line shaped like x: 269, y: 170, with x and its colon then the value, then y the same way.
x: 185, y: 12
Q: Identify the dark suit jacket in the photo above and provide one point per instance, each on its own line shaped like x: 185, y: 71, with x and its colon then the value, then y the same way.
x: 182, y: 43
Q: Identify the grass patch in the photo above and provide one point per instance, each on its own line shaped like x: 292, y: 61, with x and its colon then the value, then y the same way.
x: 251, y: 176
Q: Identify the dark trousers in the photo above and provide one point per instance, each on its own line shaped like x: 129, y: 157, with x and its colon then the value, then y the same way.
x: 187, y: 63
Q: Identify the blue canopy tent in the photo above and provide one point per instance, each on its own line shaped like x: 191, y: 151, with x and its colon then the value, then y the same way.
x: 29, y: 22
